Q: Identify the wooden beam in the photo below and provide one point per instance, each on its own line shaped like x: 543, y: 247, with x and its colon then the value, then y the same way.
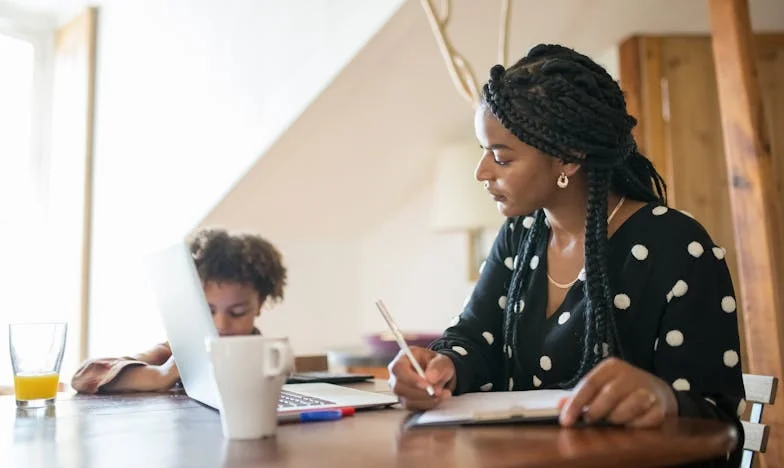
x: 749, y: 168
x: 630, y: 66
x: 642, y: 81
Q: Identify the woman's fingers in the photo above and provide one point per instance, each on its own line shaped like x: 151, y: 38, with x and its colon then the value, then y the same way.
x: 653, y: 417
x: 634, y: 405
x: 611, y: 394
x: 421, y: 404
x: 585, y: 392
x: 439, y: 372
x: 404, y: 381
x: 411, y: 388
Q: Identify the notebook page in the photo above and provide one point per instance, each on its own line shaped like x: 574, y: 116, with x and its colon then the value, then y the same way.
x: 471, y: 406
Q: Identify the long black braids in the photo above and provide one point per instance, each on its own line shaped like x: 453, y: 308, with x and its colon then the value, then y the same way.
x: 567, y: 106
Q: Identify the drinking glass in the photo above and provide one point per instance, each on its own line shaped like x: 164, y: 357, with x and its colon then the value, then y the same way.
x: 36, y: 354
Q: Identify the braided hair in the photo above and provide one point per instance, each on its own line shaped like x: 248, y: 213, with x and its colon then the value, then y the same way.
x: 567, y: 106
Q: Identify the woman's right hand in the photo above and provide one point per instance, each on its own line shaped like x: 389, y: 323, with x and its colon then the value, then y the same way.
x: 411, y: 388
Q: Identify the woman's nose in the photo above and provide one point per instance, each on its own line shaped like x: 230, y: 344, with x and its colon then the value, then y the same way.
x: 482, y: 173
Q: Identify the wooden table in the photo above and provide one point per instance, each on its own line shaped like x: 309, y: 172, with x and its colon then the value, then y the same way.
x: 170, y: 430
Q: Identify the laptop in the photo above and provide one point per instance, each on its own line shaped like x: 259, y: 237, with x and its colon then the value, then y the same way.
x: 188, y: 323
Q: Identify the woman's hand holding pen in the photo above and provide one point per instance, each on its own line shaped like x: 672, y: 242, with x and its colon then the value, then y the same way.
x: 410, y: 387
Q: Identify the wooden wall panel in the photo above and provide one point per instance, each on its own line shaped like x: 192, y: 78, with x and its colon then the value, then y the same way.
x: 641, y: 65
x: 770, y: 72
x: 698, y: 180
x: 694, y: 162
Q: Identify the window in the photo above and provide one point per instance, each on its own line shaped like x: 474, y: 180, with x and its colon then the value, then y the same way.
x: 45, y: 121
x: 18, y: 210
x: 22, y: 135
x: 16, y: 104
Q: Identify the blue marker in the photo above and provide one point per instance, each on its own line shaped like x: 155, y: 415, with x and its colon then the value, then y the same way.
x: 319, y: 415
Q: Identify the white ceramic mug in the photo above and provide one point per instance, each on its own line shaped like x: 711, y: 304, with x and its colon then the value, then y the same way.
x: 249, y: 373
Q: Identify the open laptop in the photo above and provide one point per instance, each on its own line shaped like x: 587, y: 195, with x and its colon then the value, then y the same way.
x: 188, y: 323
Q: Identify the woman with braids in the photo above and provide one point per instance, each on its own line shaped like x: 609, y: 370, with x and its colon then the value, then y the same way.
x: 593, y: 283
x: 240, y: 273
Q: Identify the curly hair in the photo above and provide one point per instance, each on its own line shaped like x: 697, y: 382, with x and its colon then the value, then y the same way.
x: 239, y: 258
x: 567, y: 106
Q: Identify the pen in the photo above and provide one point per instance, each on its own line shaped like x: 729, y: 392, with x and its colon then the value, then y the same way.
x: 318, y: 415
x: 402, y: 343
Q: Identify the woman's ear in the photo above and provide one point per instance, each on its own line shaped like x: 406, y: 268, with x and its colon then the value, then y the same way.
x: 570, y: 169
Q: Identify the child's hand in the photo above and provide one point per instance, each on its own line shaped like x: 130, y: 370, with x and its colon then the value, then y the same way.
x: 169, y: 374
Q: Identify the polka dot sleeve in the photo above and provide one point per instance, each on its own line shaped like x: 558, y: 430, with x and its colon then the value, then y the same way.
x: 698, y: 350
x: 474, y: 340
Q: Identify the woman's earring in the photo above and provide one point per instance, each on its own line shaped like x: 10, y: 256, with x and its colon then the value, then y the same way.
x: 563, y: 180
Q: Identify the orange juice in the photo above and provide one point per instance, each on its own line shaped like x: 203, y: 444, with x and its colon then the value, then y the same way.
x: 41, y: 386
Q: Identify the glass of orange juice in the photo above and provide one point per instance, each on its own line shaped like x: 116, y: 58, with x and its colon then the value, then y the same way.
x: 36, y: 354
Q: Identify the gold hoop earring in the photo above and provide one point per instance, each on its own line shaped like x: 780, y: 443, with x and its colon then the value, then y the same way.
x: 563, y: 180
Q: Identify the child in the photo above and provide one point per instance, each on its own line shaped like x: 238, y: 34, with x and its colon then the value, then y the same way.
x: 240, y: 273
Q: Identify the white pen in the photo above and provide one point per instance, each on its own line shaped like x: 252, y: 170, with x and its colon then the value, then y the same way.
x: 402, y: 343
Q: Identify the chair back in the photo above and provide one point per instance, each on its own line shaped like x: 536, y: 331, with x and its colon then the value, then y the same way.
x: 760, y: 391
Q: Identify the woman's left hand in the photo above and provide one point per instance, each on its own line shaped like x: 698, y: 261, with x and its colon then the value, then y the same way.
x: 619, y: 393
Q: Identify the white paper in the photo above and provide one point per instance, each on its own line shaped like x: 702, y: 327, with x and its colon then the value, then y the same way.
x: 495, y: 405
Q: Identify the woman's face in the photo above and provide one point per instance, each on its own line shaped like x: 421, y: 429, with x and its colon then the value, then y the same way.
x: 520, y: 178
x: 234, y: 307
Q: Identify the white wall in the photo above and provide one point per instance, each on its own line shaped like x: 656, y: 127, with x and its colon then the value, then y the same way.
x: 319, y: 310
x: 333, y: 283
x: 422, y: 276
x: 610, y: 60
x: 189, y: 94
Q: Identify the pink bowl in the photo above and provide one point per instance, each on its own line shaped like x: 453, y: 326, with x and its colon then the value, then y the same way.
x: 384, y: 343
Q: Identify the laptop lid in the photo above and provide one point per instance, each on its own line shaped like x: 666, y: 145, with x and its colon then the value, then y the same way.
x: 186, y: 318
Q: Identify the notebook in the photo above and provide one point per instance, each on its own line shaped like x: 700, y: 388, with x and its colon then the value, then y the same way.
x: 495, y: 407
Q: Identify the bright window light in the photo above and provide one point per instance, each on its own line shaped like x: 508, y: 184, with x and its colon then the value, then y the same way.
x: 17, y: 195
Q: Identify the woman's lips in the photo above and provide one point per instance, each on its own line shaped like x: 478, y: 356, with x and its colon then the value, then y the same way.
x: 497, y: 198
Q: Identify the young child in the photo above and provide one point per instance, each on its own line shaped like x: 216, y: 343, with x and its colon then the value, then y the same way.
x: 240, y: 273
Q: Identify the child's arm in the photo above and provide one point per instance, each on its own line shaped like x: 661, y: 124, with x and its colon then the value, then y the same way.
x: 153, y: 370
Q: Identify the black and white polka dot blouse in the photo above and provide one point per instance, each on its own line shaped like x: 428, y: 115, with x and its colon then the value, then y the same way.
x: 675, y: 311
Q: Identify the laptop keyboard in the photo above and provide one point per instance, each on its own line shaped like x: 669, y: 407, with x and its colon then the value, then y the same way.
x: 290, y: 399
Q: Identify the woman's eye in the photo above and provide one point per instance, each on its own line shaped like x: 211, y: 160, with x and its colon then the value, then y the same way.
x: 500, y: 162
x: 238, y: 313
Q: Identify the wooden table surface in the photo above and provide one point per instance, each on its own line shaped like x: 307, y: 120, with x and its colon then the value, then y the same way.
x: 170, y: 430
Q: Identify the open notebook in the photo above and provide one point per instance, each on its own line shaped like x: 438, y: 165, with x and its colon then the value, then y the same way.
x: 495, y: 407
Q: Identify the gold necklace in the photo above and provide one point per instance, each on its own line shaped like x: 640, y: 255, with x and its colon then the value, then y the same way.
x: 569, y: 284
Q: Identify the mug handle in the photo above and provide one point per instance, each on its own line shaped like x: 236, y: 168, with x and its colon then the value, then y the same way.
x: 278, y: 357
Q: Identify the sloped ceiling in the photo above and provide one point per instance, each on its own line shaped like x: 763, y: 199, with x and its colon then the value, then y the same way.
x: 371, y: 139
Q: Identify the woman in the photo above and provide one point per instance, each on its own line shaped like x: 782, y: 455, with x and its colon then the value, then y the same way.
x: 240, y: 273
x: 592, y: 282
